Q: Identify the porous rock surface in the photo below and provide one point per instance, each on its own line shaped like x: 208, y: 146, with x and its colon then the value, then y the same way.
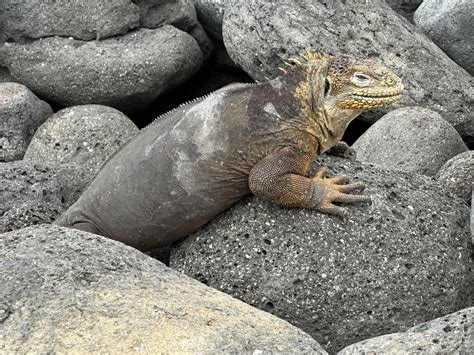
x: 127, y: 72
x: 412, y: 139
x: 97, y: 19
x: 77, y: 140
x: 29, y: 194
x: 450, y: 25
x: 451, y: 334
x: 21, y: 113
x: 73, y: 292
x: 260, y: 35
x: 457, y: 175
x: 402, y: 260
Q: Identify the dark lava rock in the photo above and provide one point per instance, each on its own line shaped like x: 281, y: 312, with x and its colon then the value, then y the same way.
x: 21, y: 113
x: 76, y: 141
x: 126, y: 72
x: 260, y: 35
x: 402, y: 260
x: 65, y: 291
x: 457, y: 175
x: 29, y: 194
x: 412, y: 139
x: 451, y: 334
x: 450, y: 25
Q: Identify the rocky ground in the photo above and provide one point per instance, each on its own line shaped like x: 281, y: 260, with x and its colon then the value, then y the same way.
x: 78, y: 79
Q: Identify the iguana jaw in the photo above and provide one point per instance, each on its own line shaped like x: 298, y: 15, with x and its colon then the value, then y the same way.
x: 359, y: 102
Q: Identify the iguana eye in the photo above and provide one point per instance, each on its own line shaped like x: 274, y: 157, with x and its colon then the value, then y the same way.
x: 361, y: 79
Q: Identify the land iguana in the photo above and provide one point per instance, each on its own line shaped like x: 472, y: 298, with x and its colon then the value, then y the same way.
x: 198, y: 160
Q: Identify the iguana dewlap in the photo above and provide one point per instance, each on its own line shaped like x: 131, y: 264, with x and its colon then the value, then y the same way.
x: 198, y: 160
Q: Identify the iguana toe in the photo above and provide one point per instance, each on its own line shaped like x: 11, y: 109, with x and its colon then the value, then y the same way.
x: 335, y: 189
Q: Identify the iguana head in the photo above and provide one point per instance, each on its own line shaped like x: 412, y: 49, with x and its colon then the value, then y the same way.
x: 361, y: 85
x: 352, y: 86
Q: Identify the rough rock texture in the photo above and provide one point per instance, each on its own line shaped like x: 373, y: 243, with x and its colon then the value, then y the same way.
x: 76, y: 141
x: 452, y: 334
x: 98, y: 18
x: 412, y: 139
x: 259, y: 35
x: 457, y: 175
x: 472, y: 228
x: 210, y: 14
x: 449, y: 24
x: 65, y: 291
x: 402, y: 260
x: 406, y: 8
x: 21, y: 113
x: 181, y: 14
x: 29, y: 194
x: 126, y: 72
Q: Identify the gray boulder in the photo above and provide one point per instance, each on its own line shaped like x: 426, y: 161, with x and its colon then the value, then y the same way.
x: 21, y: 113
x: 450, y: 25
x: 210, y: 14
x: 406, y: 8
x: 451, y: 334
x: 457, y: 175
x: 126, y: 72
x: 180, y: 14
x: 77, y: 140
x: 402, y: 260
x: 412, y: 139
x: 85, y: 19
x: 65, y: 291
x: 29, y: 194
x: 259, y: 35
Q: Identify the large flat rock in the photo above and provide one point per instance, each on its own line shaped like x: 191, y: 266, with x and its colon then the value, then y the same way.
x: 400, y: 261
x: 65, y: 291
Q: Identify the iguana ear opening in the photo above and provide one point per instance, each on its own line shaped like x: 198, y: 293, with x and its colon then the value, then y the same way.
x: 327, y: 87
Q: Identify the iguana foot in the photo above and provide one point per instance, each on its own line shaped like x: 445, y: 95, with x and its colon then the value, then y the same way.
x: 342, y: 149
x: 335, y: 189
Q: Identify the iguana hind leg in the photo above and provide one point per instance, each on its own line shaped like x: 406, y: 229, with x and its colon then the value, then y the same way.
x: 280, y: 178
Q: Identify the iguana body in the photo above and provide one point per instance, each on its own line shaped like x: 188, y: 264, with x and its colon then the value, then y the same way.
x: 199, y: 159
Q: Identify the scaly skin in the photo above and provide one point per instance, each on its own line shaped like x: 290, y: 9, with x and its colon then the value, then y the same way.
x: 201, y: 158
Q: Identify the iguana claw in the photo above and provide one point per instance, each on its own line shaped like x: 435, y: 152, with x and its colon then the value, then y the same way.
x: 335, y: 189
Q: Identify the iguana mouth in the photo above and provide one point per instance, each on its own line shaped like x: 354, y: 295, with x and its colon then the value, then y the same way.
x: 380, y: 93
x: 367, y: 98
x: 370, y: 100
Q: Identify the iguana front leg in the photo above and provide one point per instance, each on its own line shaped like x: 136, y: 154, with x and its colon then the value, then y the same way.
x: 280, y: 178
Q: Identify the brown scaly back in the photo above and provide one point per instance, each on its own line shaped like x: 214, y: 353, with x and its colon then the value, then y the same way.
x: 354, y: 84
